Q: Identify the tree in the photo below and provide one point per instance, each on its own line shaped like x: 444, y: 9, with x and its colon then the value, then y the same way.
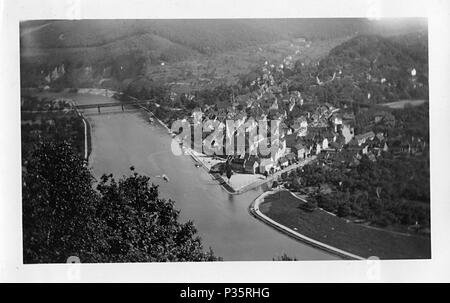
x: 343, y: 210
x: 123, y: 221
x: 142, y: 227
x: 59, y: 204
x: 228, y: 170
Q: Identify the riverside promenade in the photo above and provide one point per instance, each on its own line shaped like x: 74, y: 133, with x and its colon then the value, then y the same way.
x: 274, y: 176
x: 255, y: 211
x: 254, y: 184
x: 206, y: 165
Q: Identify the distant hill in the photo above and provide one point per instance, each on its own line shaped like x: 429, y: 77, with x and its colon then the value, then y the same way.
x: 379, y: 54
x: 204, y: 35
x: 376, y: 69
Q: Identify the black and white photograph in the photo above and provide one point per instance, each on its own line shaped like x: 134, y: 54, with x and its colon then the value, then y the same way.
x: 216, y: 139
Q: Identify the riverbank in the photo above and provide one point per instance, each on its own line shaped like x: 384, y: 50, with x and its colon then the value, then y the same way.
x: 88, y: 139
x: 241, y: 183
x: 87, y: 134
x: 196, y: 157
x: 238, y: 183
x: 338, y: 233
x: 255, y: 210
x: 124, y: 139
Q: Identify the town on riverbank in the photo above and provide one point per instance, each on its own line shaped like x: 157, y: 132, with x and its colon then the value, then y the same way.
x: 345, y: 121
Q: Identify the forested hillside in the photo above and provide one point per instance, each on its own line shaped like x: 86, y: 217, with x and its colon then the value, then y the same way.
x: 133, y: 46
x: 369, y: 69
x: 204, y: 35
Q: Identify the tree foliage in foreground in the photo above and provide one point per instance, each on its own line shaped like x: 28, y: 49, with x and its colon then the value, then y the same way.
x: 122, y: 221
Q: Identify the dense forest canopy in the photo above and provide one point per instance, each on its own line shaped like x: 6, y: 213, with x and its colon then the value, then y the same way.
x: 121, y: 220
x: 386, y: 192
x: 366, y: 69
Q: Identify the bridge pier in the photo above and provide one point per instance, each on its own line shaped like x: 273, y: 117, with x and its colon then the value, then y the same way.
x: 98, y: 107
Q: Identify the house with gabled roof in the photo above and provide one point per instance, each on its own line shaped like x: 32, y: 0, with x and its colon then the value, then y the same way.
x: 284, y: 129
x: 291, y: 158
x: 347, y: 131
x: 197, y: 114
x: 251, y: 165
x: 301, y: 151
x: 300, y: 126
x: 283, y: 162
x: 266, y: 165
x: 336, y: 121
x: 363, y: 138
x: 237, y: 164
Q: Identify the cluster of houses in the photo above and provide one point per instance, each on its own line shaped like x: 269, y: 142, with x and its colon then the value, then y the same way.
x: 323, y: 131
x: 306, y: 129
x: 320, y: 129
x: 315, y: 128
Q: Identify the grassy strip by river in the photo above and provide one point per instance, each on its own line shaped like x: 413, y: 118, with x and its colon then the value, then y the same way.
x: 283, y: 208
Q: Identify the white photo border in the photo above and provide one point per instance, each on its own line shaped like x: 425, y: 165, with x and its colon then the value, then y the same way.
x: 12, y: 268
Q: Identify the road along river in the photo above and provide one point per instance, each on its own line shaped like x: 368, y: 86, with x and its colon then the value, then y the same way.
x: 124, y: 139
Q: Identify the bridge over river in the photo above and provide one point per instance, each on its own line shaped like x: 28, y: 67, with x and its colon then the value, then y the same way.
x: 121, y: 139
x: 122, y: 105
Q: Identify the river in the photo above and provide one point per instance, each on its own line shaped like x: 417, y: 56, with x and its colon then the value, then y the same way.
x: 124, y: 139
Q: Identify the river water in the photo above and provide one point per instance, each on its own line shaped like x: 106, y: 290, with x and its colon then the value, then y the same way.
x: 124, y: 139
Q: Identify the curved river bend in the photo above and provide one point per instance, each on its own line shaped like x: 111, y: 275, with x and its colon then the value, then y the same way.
x: 124, y: 139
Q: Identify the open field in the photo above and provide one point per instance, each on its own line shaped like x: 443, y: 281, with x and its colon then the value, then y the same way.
x: 357, y: 239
